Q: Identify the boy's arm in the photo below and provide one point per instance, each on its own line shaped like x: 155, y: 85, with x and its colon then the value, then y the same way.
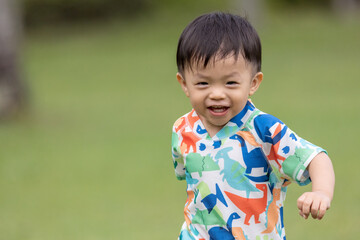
x: 323, y: 182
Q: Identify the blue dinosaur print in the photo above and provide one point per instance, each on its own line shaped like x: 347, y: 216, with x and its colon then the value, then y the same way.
x: 193, y: 230
x: 263, y: 123
x: 199, y: 130
x: 279, y: 228
x: 234, y: 172
x: 280, y: 135
x: 238, y: 118
x: 286, y: 150
x: 272, y: 180
x: 202, y: 147
x: 292, y: 135
x: 306, y: 143
x: 189, y: 180
x: 253, y: 159
x: 222, y: 233
x: 217, y: 144
x: 210, y: 200
x: 242, y: 171
x: 185, y: 235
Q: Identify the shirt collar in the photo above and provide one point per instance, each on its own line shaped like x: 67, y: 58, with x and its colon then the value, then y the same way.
x: 234, y: 125
x: 237, y: 122
x: 241, y: 118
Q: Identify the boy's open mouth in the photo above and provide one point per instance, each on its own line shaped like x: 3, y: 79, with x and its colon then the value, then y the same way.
x: 218, y: 109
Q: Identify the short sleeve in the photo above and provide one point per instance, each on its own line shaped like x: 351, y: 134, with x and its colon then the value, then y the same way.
x: 288, y: 154
x: 177, y: 156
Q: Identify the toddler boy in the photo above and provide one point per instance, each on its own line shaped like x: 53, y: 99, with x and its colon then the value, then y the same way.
x: 236, y: 159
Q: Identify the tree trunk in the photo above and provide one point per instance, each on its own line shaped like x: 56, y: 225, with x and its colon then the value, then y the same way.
x: 12, y: 92
x: 346, y: 8
x: 253, y: 10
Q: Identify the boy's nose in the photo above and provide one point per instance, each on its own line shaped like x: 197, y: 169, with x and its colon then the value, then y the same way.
x: 217, y: 94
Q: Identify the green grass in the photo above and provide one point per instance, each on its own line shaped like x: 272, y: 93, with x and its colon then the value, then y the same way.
x: 92, y: 159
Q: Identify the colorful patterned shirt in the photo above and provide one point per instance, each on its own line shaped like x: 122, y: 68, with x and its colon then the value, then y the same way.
x: 237, y: 179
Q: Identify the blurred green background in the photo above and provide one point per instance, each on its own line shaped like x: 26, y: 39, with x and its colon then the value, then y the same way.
x: 90, y: 157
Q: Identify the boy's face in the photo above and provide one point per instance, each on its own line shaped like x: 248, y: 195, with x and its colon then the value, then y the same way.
x: 220, y: 91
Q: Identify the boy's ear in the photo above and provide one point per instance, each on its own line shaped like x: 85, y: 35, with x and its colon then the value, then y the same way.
x: 182, y: 82
x: 255, y: 82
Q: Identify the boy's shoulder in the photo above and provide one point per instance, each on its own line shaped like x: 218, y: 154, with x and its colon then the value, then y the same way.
x: 265, y: 120
x: 264, y: 124
x: 186, y: 120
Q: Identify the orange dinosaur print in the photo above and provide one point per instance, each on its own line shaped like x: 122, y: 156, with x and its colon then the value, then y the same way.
x: 179, y: 124
x: 250, y: 206
x: 190, y: 198
x: 192, y: 119
x: 189, y: 140
x: 287, y: 182
x: 247, y: 136
x: 273, y: 211
x: 273, y: 155
x: 254, y: 146
x: 183, y: 148
x: 238, y: 233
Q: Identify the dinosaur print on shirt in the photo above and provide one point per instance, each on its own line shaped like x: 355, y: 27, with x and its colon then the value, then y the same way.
x: 237, y: 179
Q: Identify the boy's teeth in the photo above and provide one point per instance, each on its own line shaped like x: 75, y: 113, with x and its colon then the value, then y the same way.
x: 218, y: 108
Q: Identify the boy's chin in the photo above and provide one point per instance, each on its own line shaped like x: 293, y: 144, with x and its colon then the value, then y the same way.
x: 219, y: 124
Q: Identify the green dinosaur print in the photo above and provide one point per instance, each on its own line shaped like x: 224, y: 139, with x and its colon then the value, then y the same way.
x: 294, y: 163
x: 197, y: 163
x: 275, y: 175
x: 264, y: 238
x: 248, y: 126
x: 175, y: 147
x: 196, y: 194
x: 227, y: 131
x: 205, y: 218
x: 203, y: 189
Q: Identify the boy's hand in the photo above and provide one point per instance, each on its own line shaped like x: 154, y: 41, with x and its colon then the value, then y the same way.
x: 315, y: 203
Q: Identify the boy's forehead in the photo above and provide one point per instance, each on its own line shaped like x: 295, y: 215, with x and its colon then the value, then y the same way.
x: 197, y: 66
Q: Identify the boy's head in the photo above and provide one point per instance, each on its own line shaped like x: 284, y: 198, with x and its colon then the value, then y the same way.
x: 219, y: 62
x: 218, y: 35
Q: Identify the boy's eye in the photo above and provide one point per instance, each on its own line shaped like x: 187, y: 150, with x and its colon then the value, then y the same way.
x: 231, y: 83
x: 202, y: 83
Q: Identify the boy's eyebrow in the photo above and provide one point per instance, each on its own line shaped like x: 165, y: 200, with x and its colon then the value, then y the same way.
x: 199, y: 75
x: 233, y: 74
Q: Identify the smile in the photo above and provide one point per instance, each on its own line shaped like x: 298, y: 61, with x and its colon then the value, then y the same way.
x: 218, y: 110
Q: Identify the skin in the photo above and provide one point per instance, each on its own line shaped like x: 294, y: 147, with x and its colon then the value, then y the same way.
x: 317, y: 202
x: 220, y: 91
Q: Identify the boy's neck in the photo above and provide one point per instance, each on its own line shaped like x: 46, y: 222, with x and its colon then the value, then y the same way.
x: 211, y: 129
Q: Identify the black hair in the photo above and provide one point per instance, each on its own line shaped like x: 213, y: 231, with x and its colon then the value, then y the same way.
x: 221, y: 35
